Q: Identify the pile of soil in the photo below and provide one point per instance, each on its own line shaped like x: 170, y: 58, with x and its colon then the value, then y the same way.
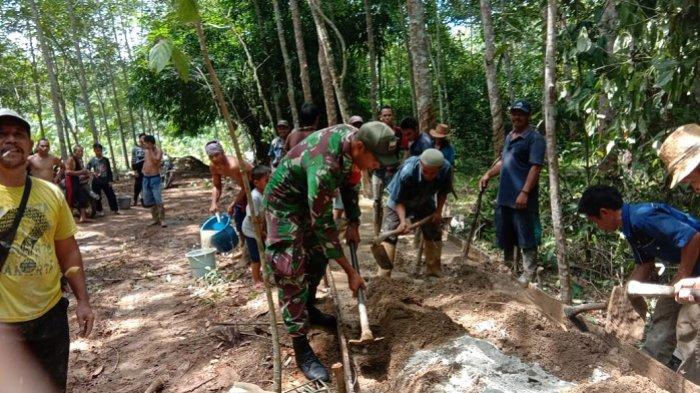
x: 190, y: 167
x: 476, y: 300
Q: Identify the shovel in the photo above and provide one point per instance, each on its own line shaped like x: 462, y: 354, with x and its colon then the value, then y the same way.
x: 470, y: 237
x: 379, y: 253
x: 366, y: 336
x: 655, y: 290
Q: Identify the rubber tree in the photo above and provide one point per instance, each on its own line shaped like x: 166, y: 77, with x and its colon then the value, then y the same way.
x: 418, y: 42
x: 82, y: 80
x: 287, y: 63
x: 327, y: 83
x: 325, y: 46
x: 550, y: 98
x: 301, y: 50
x: 53, y: 81
x: 160, y: 55
x: 497, y: 129
x: 373, y: 87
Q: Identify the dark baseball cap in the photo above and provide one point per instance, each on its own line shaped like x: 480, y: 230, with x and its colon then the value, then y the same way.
x: 521, y: 105
x: 381, y: 141
x: 10, y: 114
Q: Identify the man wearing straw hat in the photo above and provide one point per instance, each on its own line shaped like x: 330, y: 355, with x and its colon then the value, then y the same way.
x: 680, y: 153
x: 441, y: 141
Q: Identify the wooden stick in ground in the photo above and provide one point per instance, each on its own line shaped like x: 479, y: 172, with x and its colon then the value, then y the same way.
x: 223, y: 108
x: 475, y: 220
x: 338, y: 376
x: 345, y: 355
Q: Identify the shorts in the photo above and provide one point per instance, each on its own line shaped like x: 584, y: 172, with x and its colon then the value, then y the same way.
x: 338, y: 203
x: 252, y: 245
x: 152, y: 191
x: 516, y: 228
x: 239, y: 214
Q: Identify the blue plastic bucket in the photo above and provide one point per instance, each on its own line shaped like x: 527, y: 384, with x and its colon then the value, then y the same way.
x: 202, y: 261
x: 219, y: 232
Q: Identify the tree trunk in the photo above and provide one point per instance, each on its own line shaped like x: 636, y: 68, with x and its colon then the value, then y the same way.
x: 117, y: 109
x: 301, y: 51
x: 130, y: 57
x: 37, y: 86
x: 498, y: 134
x: 550, y: 94
x: 411, y: 78
x: 331, y: 114
x: 50, y: 70
x: 82, y: 80
x: 223, y: 107
x: 125, y: 75
x: 418, y: 42
x: 372, y: 59
x: 607, y: 25
x: 105, y: 126
x: 254, y: 69
x: 509, y: 76
x: 287, y: 63
x: 325, y: 46
x: 442, y: 89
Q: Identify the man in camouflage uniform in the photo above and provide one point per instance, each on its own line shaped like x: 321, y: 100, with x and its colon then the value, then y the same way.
x: 302, y: 235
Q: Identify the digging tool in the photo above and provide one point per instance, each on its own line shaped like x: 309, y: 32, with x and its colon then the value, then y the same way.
x: 379, y: 253
x: 655, y: 290
x: 366, y: 336
x: 470, y: 237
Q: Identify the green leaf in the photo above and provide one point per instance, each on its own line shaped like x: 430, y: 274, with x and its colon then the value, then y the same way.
x: 182, y: 63
x: 160, y: 54
x: 187, y: 10
x: 583, y: 43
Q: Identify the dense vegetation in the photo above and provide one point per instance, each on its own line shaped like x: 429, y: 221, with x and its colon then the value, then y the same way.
x: 627, y: 74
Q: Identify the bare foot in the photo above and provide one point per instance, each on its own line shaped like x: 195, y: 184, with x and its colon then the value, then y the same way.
x: 258, y: 285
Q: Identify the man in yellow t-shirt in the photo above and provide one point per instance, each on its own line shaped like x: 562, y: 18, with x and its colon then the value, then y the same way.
x: 32, y: 308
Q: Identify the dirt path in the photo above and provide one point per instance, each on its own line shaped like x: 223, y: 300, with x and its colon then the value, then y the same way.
x: 156, y: 322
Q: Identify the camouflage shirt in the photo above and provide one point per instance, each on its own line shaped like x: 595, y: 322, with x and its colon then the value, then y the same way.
x: 299, y: 195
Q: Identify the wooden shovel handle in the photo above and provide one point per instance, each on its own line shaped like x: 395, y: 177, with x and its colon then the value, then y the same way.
x: 647, y: 289
x: 383, y: 236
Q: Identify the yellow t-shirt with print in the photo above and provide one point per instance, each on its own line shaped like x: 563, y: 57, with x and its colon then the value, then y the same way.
x: 30, y: 282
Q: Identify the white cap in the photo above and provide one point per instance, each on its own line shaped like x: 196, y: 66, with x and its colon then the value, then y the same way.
x: 7, y: 112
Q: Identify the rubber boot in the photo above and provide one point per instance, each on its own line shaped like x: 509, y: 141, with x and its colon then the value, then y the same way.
x: 433, y: 255
x: 155, y: 214
x: 161, y: 216
x: 391, y: 252
x: 529, y: 266
x: 307, y: 361
x: 316, y: 316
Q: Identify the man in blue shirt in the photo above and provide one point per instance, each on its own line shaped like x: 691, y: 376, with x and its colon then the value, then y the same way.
x: 654, y: 231
x: 517, y: 210
x: 276, y: 151
x: 418, y: 141
x: 412, y: 193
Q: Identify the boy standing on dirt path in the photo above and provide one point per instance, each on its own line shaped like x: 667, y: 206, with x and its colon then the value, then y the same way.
x: 260, y: 176
x: 412, y: 193
x: 383, y: 175
x: 42, y: 163
x: 152, y: 187
x: 137, y: 159
x: 656, y: 231
x: 517, y: 210
x: 34, y: 252
x: 301, y: 233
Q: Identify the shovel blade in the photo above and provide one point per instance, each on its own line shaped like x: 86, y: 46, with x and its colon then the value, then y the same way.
x: 381, y: 257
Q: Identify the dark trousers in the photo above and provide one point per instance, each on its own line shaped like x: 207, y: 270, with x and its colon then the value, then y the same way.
x: 138, y: 185
x: 47, y: 341
x: 102, y: 185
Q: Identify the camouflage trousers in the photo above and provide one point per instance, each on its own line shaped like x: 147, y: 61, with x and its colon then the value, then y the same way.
x: 297, y: 268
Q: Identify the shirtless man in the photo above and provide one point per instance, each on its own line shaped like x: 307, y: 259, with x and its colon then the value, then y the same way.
x: 152, y: 189
x: 42, y: 163
x: 226, y: 166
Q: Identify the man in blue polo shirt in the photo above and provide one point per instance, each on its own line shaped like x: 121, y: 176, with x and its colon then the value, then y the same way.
x: 418, y: 141
x: 654, y: 231
x: 412, y: 193
x: 517, y: 213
